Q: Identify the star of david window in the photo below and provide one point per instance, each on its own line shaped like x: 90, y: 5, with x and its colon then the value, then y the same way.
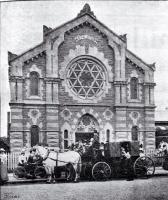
x: 86, y: 78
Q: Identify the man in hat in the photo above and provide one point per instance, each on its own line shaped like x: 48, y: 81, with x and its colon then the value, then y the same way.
x: 127, y: 162
x: 3, y: 166
x: 95, y: 143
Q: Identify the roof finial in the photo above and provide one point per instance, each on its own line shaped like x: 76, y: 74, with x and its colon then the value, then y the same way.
x: 153, y: 65
x: 86, y: 10
x: 11, y: 56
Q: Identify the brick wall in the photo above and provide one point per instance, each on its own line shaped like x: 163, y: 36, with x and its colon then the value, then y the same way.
x: 101, y: 44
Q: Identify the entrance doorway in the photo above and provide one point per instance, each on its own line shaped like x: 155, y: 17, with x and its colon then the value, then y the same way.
x: 34, y: 135
x: 85, y: 137
x: 87, y: 124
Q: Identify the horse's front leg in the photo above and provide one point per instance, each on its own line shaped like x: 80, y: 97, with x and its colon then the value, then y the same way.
x: 54, y: 177
x: 50, y: 174
x: 49, y: 180
x: 77, y: 174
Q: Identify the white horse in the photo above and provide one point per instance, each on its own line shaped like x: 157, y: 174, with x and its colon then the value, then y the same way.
x: 51, y: 159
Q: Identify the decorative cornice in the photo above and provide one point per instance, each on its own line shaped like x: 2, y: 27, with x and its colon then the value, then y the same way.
x: 51, y: 79
x: 135, y: 65
x: 149, y: 84
x: 86, y: 10
x: 35, y: 57
x: 120, y: 83
x: 86, y: 23
x: 14, y: 78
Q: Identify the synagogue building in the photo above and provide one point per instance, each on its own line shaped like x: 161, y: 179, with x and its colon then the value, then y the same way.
x: 81, y: 78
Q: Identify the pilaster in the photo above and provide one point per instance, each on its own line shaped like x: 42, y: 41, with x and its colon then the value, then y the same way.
x: 16, y: 129
x: 149, y: 137
x: 52, y: 45
x: 52, y: 125
x: 121, y: 125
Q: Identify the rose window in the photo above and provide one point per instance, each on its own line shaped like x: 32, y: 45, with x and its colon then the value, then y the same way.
x: 86, y: 78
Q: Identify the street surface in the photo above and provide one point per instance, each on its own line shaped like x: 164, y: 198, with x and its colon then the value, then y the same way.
x: 155, y: 188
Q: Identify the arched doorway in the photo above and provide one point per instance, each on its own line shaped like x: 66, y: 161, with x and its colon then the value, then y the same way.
x: 34, y: 135
x: 85, y: 128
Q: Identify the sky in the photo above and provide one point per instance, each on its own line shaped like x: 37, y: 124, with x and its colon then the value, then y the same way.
x: 144, y: 22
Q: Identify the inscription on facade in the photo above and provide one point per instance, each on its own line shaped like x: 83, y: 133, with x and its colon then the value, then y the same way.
x: 83, y: 37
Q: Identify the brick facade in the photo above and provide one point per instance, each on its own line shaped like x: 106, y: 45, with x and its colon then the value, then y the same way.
x: 57, y: 107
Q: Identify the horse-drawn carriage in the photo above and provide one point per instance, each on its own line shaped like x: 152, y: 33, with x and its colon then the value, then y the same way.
x: 109, y: 163
x: 101, y: 163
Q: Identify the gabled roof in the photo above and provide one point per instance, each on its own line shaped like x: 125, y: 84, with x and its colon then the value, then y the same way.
x: 138, y: 61
x: 85, y: 15
x: 86, y: 11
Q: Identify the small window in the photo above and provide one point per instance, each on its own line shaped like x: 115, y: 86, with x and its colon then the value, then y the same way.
x: 134, y: 88
x: 65, y: 139
x: 34, y: 135
x: 107, y: 135
x: 34, y: 84
x: 134, y: 133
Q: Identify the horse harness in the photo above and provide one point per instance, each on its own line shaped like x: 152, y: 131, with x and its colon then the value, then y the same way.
x: 56, y: 160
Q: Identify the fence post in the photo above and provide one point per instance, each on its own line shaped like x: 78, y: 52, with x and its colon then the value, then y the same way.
x: 12, y: 161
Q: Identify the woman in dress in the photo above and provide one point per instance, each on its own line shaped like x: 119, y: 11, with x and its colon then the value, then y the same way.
x: 3, y: 167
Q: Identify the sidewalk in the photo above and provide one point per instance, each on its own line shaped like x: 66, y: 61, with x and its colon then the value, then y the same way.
x: 12, y: 180
x: 159, y: 171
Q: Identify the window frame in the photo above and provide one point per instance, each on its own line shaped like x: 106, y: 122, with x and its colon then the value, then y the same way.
x: 136, y: 131
x: 37, y: 82
x: 134, y: 88
x: 66, y: 139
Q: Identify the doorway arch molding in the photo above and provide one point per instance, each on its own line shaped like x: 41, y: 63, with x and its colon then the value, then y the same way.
x: 84, y: 111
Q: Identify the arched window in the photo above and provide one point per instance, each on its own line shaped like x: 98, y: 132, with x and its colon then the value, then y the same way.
x: 134, y: 133
x: 134, y: 88
x: 34, y: 84
x: 107, y: 135
x: 34, y: 135
x: 65, y: 139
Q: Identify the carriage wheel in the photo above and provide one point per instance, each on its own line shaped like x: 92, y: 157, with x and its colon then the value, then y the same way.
x: 40, y: 172
x: 144, y: 166
x: 101, y: 171
x: 19, y: 172
x: 70, y: 172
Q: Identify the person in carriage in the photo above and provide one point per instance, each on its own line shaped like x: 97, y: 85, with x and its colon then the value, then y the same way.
x: 95, y: 147
x: 127, y: 162
x: 22, y: 158
x: 33, y: 159
x: 141, y: 151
